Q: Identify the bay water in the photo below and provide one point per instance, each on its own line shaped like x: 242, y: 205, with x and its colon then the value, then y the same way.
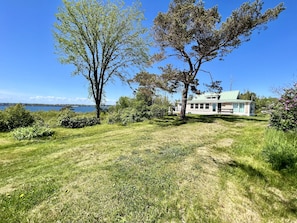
x: 35, y: 108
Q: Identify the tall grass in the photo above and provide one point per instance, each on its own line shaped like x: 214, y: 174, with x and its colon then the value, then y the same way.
x: 280, y: 149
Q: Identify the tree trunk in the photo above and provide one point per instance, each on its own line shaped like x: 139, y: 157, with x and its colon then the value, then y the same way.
x: 184, y: 102
x: 98, y: 109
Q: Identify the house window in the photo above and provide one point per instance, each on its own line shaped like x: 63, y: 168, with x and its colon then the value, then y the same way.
x: 201, y: 106
x: 206, y: 106
x: 192, y: 106
x: 241, y: 107
x: 196, y: 106
x: 238, y: 107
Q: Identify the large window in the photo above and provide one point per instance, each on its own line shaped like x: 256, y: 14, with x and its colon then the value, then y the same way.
x: 206, y: 106
x: 196, y: 106
x: 192, y: 106
x: 241, y: 107
x: 235, y: 107
x: 238, y: 107
x: 201, y: 106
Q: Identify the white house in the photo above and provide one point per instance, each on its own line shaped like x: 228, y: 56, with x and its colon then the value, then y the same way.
x: 227, y: 102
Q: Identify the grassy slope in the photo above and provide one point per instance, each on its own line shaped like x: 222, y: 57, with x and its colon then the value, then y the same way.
x: 208, y: 170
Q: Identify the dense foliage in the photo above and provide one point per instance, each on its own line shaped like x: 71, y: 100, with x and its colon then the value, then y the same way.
x: 137, y: 109
x: 284, y: 115
x: 31, y: 132
x: 68, y: 119
x: 14, y: 117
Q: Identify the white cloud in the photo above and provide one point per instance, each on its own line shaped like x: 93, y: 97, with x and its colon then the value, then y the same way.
x: 18, y: 97
x: 60, y: 100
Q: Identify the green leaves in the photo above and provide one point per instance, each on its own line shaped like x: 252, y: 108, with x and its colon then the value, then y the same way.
x: 102, y: 39
x: 14, y: 117
x: 32, y: 132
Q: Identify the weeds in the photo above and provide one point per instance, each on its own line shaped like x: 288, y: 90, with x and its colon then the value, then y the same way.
x: 280, y: 149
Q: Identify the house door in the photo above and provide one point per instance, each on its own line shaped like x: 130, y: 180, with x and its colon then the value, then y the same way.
x: 219, y: 107
x: 214, y: 107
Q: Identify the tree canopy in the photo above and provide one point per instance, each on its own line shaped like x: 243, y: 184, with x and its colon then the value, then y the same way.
x: 102, y: 39
x: 197, y: 35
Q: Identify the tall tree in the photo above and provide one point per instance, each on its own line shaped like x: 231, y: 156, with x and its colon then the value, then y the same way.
x: 102, y: 39
x: 196, y: 35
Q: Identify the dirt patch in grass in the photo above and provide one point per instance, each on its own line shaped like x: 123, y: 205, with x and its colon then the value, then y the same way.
x: 7, y: 189
x: 4, y: 141
x: 227, y: 142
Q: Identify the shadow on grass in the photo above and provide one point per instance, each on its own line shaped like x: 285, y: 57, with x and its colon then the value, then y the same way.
x: 176, y: 121
x: 250, y: 171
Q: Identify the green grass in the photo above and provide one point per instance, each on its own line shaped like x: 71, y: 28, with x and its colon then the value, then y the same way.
x: 207, y: 169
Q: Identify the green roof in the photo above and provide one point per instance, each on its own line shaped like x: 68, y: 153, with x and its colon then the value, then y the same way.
x: 229, y: 95
x: 224, y: 97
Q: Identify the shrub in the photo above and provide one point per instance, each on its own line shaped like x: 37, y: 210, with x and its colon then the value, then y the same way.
x: 35, y: 131
x: 14, y: 117
x: 68, y: 119
x: 284, y: 116
x: 142, y: 107
x: 78, y: 122
x: 159, y: 111
x: 280, y: 149
x: 3, y: 122
x: 18, y: 116
x: 128, y: 115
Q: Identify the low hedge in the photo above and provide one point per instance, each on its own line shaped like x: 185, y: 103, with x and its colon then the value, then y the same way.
x: 76, y: 122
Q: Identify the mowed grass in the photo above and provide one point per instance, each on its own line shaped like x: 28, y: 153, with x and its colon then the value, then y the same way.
x: 207, y: 169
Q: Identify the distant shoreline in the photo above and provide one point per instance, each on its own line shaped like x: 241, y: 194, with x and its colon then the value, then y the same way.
x: 54, y: 105
x: 33, y: 107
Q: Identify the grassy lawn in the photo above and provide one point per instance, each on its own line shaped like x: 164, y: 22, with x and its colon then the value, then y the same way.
x: 208, y: 169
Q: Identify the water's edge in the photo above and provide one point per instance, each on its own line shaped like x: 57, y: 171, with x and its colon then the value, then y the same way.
x: 46, y: 107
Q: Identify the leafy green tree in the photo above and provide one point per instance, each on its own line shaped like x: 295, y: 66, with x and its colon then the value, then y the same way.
x: 123, y: 102
x: 195, y: 35
x: 248, y: 95
x: 265, y: 104
x: 102, y: 39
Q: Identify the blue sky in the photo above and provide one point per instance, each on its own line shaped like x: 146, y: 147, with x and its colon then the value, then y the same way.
x: 31, y: 73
